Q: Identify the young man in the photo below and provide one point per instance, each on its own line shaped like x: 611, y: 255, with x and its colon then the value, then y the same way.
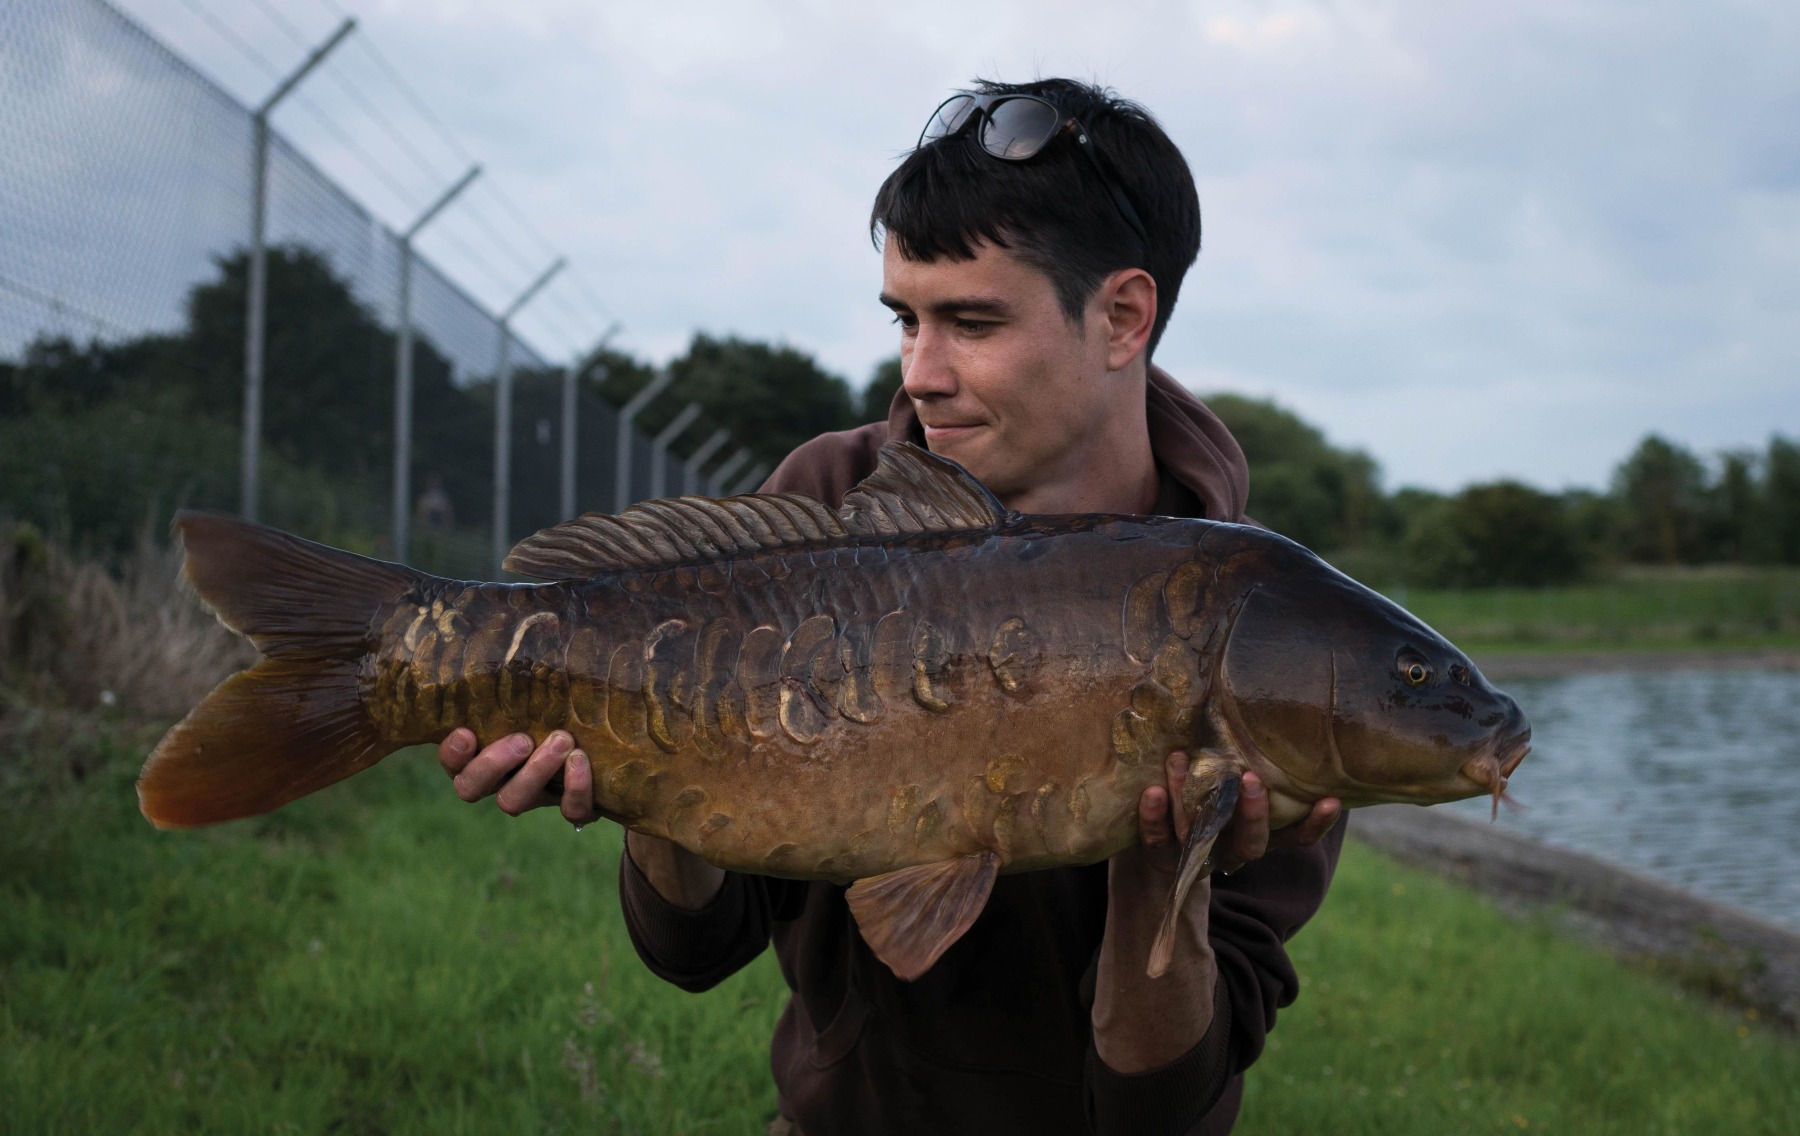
x: 1033, y: 247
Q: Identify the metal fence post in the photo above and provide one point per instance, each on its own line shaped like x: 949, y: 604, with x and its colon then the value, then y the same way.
x: 690, y: 471
x: 571, y: 380
x: 637, y: 402
x: 503, y: 414
x: 750, y: 480
x: 403, y: 371
x: 659, y: 449
x: 258, y: 282
x: 732, y: 464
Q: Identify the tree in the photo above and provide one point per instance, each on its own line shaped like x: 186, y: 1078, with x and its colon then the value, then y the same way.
x: 879, y: 394
x: 1779, y: 518
x: 770, y: 396
x: 1501, y: 533
x: 1661, y: 490
x: 1300, y: 485
x: 1732, y: 505
x: 118, y: 432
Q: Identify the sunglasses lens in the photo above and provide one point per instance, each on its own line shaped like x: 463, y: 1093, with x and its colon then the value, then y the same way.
x: 1016, y: 129
x: 948, y: 118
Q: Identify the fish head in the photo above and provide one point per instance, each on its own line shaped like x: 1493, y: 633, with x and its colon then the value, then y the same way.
x: 1341, y: 692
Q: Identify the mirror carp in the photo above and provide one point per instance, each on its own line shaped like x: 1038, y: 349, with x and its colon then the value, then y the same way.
x: 910, y: 695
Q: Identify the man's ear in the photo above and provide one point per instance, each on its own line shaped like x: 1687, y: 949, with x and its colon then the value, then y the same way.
x: 1127, y: 300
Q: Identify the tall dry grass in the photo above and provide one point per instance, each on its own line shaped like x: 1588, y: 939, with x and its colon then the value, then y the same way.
x: 95, y: 658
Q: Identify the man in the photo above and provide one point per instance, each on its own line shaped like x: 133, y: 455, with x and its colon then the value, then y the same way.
x: 1033, y: 247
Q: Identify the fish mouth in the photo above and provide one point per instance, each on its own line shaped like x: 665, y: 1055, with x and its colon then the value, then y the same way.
x: 1493, y: 768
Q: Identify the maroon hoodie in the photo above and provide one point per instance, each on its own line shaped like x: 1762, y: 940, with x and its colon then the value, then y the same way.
x: 996, y: 1037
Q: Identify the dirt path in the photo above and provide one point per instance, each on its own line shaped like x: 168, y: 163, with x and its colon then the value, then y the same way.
x: 1715, y: 949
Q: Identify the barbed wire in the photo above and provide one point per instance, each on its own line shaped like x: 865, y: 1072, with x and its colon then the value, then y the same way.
x: 342, y: 79
x: 407, y: 196
x: 422, y: 107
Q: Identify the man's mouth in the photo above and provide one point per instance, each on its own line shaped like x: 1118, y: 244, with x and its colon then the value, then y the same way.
x: 949, y: 431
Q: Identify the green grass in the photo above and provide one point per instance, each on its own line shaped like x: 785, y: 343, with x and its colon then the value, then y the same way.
x: 1638, y: 610
x: 1424, y: 1010
x: 383, y: 959
x: 376, y: 959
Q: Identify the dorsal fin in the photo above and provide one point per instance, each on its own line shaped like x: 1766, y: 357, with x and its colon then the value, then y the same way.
x: 915, y: 490
x: 912, y: 490
x: 674, y: 530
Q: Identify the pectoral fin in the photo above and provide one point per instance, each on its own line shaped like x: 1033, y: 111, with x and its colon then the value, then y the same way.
x: 911, y: 916
x: 1217, y: 800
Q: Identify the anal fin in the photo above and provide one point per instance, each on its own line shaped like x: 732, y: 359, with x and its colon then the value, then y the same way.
x: 1217, y: 783
x: 912, y: 916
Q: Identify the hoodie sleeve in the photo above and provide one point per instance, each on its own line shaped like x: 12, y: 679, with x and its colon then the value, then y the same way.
x: 1253, y: 914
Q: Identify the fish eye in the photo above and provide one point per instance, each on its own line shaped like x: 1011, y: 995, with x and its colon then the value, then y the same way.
x: 1415, y: 672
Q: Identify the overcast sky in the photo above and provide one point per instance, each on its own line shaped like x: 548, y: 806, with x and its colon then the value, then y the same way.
x: 1477, y: 240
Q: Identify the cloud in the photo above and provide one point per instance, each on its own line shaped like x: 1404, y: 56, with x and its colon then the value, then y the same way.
x: 1477, y: 240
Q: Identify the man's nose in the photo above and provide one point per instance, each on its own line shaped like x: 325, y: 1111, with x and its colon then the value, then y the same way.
x: 926, y: 370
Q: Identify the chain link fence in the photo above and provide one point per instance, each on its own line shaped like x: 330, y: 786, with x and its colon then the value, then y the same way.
x: 125, y: 215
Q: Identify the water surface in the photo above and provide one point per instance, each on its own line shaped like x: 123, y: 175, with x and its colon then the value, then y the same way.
x: 1689, y: 776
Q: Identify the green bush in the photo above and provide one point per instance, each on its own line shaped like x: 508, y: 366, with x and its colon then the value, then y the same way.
x: 1503, y: 533
x: 99, y: 475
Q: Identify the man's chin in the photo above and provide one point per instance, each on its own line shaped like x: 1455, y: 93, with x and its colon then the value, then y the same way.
x: 963, y: 445
x: 973, y: 449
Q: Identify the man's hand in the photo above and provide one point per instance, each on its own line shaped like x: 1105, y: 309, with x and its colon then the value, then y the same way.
x: 1142, y: 1023
x: 515, y: 774
x: 1247, y: 838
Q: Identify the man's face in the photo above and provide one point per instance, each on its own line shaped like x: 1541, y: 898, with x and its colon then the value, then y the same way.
x: 1002, y: 381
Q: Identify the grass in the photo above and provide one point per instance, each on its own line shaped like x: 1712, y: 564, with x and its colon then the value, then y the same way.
x: 383, y: 959
x: 376, y: 959
x: 1718, y: 608
x: 1424, y: 1010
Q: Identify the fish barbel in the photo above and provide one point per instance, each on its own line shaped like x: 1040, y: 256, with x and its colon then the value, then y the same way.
x: 913, y: 694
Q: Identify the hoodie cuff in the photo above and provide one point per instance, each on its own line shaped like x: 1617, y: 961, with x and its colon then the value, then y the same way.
x: 1172, y: 1100
x: 693, y: 949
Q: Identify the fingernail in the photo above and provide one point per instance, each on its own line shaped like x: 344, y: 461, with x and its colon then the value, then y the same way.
x: 519, y: 745
x: 559, y: 740
x: 1178, y: 763
x: 1252, y: 787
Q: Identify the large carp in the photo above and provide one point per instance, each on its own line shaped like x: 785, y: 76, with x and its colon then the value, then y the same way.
x: 914, y: 693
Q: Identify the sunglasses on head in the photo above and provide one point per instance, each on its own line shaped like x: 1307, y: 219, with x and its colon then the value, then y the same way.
x: 1015, y: 128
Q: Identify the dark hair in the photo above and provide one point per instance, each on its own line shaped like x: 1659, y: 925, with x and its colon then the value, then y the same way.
x: 1052, y: 210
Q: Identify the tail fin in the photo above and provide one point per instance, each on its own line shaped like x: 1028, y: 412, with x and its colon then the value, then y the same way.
x: 295, y: 722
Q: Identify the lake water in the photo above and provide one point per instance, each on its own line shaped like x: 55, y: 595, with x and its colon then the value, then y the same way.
x: 1689, y: 776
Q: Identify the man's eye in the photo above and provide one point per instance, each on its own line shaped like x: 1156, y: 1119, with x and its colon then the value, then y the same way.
x: 973, y: 325
x: 906, y: 321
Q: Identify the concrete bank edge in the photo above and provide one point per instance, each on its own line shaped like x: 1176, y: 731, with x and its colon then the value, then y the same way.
x: 1716, y: 948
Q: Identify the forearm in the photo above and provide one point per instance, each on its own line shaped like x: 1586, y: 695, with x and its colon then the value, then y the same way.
x: 1142, y: 1023
x: 678, y: 875
x: 694, y: 947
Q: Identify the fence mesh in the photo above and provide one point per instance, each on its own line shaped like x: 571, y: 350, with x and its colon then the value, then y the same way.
x: 125, y: 194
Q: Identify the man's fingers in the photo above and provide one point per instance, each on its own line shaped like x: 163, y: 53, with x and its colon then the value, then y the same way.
x: 1325, y: 813
x: 1176, y: 770
x: 455, y: 751
x: 524, y: 790
x: 1153, y: 816
x: 481, y: 776
x: 578, y: 789
x: 1250, y: 824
